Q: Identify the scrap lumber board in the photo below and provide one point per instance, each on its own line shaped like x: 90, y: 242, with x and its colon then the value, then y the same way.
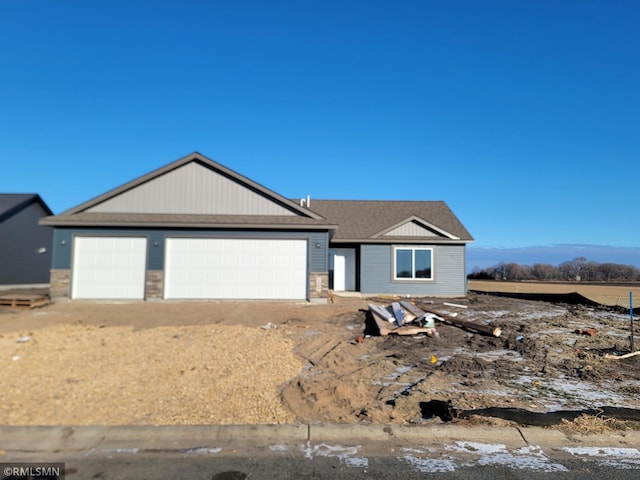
x: 381, y: 312
x: 467, y: 324
x: 397, y: 313
x: 384, y: 327
x: 424, y: 318
x: 24, y: 301
x: 409, y: 330
x: 412, y: 308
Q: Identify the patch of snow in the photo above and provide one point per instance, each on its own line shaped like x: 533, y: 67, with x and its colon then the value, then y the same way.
x: 526, y: 458
x: 203, y: 451
x: 490, y: 356
x: 121, y: 450
x: 421, y: 460
x: 608, y: 456
x: 555, y: 394
x: 279, y: 448
x: 617, y: 452
x: 348, y: 455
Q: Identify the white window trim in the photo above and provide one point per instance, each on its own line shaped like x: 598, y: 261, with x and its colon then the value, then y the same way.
x: 413, y: 266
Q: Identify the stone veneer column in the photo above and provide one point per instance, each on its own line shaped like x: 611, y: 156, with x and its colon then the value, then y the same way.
x: 319, y: 285
x: 154, y: 285
x: 60, y: 283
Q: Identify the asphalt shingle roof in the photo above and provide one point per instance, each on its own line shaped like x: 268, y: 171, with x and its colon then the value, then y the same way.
x: 10, y: 203
x: 364, y: 219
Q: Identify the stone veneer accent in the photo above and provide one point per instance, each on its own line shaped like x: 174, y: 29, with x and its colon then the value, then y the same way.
x: 318, y: 285
x: 154, y: 284
x: 60, y: 283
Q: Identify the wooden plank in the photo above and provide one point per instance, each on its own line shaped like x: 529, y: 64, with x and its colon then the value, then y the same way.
x: 381, y: 312
x: 24, y: 301
x: 410, y: 330
x: 423, y: 318
x: 412, y: 308
x: 398, y: 313
x: 384, y: 327
x: 467, y: 324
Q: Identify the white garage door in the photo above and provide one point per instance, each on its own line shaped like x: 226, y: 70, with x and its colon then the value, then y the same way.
x: 206, y: 268
x: 109, y: 267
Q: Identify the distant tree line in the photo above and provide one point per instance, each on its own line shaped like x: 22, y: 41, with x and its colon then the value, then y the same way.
x: 577, y: 270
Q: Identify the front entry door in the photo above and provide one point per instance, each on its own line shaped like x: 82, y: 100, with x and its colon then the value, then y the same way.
x: 344, y: 269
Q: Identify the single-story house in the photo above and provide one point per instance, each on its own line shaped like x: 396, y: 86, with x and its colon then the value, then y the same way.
x: 25, y: 246
x: 195, y: 229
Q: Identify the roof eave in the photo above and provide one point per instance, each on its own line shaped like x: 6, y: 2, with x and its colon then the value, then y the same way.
x: 422, y: 241
x: 57, y: 222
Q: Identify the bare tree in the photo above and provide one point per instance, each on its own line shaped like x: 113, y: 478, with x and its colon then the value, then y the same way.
x: 578, y: 269
x: 544, y: 271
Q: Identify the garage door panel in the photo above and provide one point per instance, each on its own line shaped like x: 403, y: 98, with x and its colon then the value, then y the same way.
x: 236, y: 269
x: 109, y: 267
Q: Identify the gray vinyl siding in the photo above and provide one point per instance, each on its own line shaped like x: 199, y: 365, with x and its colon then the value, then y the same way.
x: 63, y: 241
x: 192, y: 189
x: 411, y: 229
x: 21, y: 238
x: 449, y: 272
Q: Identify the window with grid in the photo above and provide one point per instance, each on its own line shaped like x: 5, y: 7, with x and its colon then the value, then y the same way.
x: 413, y: 263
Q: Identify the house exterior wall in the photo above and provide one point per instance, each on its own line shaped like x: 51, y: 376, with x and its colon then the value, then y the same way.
x: 192, y: 189
x: 448, y: 263
x: 154, y: 283
x: 20, y: 240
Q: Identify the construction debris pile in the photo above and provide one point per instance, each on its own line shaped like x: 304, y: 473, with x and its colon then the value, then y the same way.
x: 402, y: 318
x: 406, y: 318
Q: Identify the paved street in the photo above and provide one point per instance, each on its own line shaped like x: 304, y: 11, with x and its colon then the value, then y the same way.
x: 323, y: 451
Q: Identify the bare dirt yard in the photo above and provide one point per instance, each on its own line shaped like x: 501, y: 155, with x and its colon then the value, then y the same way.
x: 163, y: 363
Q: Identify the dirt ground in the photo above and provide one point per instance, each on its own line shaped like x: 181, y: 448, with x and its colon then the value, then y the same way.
x: 281, y: 362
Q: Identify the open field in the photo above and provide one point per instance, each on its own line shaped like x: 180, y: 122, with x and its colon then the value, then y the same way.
x: 610, y: 295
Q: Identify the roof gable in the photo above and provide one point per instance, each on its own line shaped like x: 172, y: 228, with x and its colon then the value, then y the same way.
x: 192, y: 185
x: 415, y: 227
x: 379, y: 221
x: 193, y: 188
x: 12, y: 203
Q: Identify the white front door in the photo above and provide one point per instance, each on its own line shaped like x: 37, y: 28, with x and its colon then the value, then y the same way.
x: 344, y: 269
x: 225, y: 268
x: 109, y: 268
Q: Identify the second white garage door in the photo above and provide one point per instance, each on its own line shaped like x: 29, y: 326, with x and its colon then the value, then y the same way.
x: 205, y: 268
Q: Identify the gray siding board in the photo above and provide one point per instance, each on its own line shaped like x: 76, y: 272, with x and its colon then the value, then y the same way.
x: 192, y: 189
x: 449, y: 278
x: 61, y: 249
x: 63, y: 241
x: 411, y: 229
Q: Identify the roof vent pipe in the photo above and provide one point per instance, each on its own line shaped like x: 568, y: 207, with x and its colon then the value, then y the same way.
x: 305, y: 202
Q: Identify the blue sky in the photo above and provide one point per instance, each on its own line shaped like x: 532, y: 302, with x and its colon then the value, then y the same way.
x: 522, y: 116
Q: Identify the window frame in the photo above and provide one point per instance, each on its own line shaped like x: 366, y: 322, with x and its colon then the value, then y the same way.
x: 413, y: 279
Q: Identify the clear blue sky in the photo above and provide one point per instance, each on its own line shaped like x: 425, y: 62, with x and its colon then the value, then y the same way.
x: 524, y: 116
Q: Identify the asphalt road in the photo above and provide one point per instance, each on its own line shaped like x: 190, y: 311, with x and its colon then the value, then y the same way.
x: 323, y: 452
x: 299, y: 465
